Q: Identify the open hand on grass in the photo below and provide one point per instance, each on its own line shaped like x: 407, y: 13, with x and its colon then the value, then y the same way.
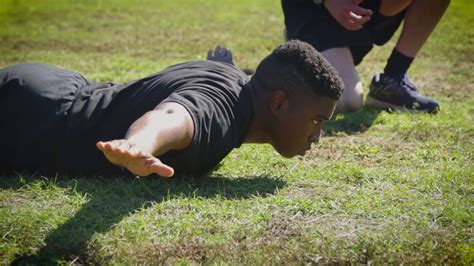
x: 125, y: 154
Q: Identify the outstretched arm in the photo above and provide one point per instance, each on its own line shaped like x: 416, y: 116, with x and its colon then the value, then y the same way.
x: 168, y: 127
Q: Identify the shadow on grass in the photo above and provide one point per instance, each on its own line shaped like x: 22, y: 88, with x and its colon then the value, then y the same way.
x: 351, y: 123
x: 110, y: 200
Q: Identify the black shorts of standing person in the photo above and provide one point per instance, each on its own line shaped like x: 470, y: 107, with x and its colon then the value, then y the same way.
x: 344, y: 31
x: 181, y: 121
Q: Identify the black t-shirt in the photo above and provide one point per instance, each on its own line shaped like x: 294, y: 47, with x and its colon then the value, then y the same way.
x: 215, y: 94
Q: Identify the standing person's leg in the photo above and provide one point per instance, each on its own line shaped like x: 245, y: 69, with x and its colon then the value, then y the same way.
x: 392, y: 89
x: 341, y: 59
x: 421, y: 18
x: 314, y: 24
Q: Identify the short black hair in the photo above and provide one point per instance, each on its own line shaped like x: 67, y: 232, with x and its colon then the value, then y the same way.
x: 296, y: 65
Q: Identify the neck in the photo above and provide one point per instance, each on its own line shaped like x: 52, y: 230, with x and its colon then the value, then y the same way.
x: 257, y: 132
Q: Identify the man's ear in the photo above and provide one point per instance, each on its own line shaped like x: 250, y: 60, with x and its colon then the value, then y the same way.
x: 278, y: 101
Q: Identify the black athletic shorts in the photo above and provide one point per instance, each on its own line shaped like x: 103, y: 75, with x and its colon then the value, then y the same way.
x: 313, y: 23
x: 34, y: 100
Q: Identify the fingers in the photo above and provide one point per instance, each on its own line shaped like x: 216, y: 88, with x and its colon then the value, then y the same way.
x: 220, y: 50
x: 100, y: 145
x: 349, y: 14
x: 119, y: 146
x: 358, y: 16
x: 361, y: 11
x: 220, y: 54
x: 352, y: 20
x: 216, y: 53
x: 126, y: 154
x: 157, y: 167
x: 107, y: 147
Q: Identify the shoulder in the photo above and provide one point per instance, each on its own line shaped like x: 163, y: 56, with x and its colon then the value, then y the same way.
x: 224, y: 69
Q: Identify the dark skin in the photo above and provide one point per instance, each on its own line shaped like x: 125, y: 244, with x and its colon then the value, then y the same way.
x: 290, y: 123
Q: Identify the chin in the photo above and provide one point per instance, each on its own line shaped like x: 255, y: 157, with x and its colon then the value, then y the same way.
x: 288, y: 154
x: 296, y: 153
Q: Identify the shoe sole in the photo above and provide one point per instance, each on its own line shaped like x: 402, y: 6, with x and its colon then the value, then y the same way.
x: 388, y: 106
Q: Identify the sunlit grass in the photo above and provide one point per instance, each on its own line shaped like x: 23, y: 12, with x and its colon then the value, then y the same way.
x: 380, y: 188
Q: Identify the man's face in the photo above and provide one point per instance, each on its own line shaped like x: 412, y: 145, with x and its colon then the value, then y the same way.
x: 299, y: 121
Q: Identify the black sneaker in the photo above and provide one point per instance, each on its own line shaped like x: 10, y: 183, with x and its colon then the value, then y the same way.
x: 387, y: 92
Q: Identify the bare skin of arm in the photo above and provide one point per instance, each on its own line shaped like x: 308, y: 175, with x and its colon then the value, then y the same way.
x: 168, y: 127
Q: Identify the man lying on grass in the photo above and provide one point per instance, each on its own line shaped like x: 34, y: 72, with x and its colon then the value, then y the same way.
x: 181, y: 121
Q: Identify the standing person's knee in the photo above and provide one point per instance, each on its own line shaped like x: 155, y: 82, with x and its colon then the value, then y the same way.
x: 352, y: 98
x: 391, y: 8
x: 444, y: 3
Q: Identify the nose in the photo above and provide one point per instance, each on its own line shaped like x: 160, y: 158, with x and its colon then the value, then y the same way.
x: 314, y: 138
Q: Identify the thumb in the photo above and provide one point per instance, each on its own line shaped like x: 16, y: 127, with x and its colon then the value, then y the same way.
x: 157, y: 167
x: 361, y: 11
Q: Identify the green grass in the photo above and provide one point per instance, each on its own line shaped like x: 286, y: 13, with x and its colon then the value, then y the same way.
x: 380, y: 188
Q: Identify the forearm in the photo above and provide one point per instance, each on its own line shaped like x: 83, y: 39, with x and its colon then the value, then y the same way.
x: 168, y: 127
